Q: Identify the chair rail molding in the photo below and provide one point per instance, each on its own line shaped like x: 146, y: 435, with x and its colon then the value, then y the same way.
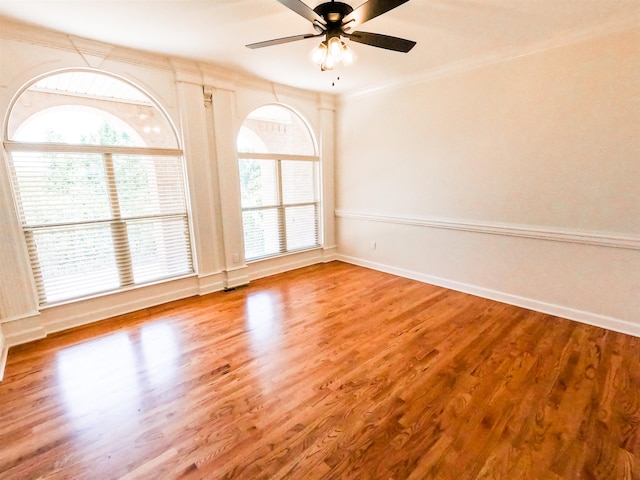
x: 599, y: 239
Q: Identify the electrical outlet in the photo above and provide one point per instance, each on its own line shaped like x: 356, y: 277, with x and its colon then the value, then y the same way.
x: 373, y: 245
x: 236, y: 258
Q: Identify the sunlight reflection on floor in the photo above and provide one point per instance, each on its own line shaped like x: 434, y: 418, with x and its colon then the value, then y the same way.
x: 103, y: 379
x: 161, y: 352
x: 263, y: 322
x: 99, y: 378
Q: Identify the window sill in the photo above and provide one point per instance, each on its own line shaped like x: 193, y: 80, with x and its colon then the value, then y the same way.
x: 281, y: 255
x: 114, y: 292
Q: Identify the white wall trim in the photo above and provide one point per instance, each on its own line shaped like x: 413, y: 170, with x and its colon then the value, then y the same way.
x: 23, y: 330
x: 210, y: 283
x: 56, y: 322
x: 4, y: 351
x: 33, y: 313
x: 25, y: 335
x: 329, y: 254
x: 284, y: 263
x: 237, y: 277
x: 598, y: 239
x: 602, y: 321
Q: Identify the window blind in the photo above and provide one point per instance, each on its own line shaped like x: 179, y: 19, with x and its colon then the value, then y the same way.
x: 98, y: 221
x: 280, y: 205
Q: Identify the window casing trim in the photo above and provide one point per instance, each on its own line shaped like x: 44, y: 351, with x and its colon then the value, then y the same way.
x: 284, y: 254
x: 276, y: 156
x: 173, y: 149
x: 26, y: 86
x: 268, y: 151
x: 127, y: 288
x: 14, y: 146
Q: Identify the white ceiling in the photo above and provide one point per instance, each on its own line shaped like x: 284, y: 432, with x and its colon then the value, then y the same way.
x: 447, y: 32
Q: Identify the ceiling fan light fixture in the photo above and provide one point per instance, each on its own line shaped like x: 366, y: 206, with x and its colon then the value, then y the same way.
x: 335, y: 48
x: 328, y: 63
x: 331, y: 52
x: 336, y: 19
x: 347, y: 55
x: 319, y: 54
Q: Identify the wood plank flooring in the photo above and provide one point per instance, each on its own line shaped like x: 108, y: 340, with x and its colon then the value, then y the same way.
x: 331, y: 371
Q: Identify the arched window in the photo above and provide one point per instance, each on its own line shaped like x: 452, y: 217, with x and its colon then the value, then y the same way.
x: 279, y: 182
x: 99, y: 186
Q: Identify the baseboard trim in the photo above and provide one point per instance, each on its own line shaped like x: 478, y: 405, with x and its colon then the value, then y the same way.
x: 4, y: 352
x: 25, y: 336
x: 593, y: 319
x: 33, y: 313
x: 23, y: 330
x: 211, y: 283
x: 283, y: 264
x: 598, y: 239
x: 237, y: 277
x: 53, y: 324
x: 329, y: 254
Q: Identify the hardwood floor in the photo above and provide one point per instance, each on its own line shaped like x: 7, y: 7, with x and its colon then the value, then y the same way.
x: 331, y: 371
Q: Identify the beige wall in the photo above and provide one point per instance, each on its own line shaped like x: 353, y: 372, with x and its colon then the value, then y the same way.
x: 518, y: 180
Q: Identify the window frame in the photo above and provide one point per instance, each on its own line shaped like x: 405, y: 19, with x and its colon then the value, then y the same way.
x: 117, y: 222
x: 280, y: 206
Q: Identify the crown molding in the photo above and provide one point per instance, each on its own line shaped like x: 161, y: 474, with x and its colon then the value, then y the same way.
x: 92, y: 51
x: 95, y: 54
x: 500, y: 56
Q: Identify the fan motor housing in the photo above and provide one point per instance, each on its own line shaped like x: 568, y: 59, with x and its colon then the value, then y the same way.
x: 333, y: 12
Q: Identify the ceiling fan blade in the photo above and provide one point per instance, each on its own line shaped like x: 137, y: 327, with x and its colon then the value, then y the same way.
x: 278, y: 41
x: 302, y: 9
x: 382, y: 41
x: 371, y: 9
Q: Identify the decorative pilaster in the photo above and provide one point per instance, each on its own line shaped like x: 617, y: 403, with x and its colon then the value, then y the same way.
x: 328, y: 155
x: 226, y: 158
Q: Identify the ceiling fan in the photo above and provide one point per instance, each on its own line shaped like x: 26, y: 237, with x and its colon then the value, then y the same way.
x: 334, y: 20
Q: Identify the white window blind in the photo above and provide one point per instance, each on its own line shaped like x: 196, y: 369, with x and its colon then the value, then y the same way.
x: 279, y: 183
x: 102, y: 204
x: 98, y: 222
